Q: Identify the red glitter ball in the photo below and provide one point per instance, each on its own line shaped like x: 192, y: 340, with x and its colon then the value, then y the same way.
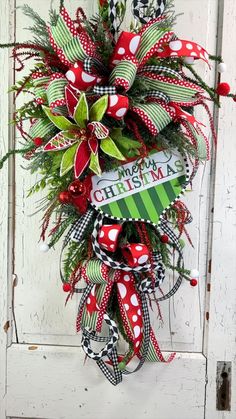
x: 66, y: 287
x: 164, y: 238
x: 64, y: 197
x: 38, y: 141
x: 193, y: 282
x: 223, y: 89
x: 76, y: 188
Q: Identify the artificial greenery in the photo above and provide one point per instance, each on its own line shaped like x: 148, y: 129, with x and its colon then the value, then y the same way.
x: 125, y: 142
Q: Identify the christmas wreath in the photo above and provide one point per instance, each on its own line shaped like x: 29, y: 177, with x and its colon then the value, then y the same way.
x: 114, y: 138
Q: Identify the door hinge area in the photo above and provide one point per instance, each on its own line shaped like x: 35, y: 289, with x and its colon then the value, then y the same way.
x: 223, y: 385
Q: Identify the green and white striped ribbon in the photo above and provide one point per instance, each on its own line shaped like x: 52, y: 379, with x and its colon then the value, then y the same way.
x: 154, y: 116
x: 39, y: 83
x: 124, y: 73
x: 71, y: 46
x: 151, y: 37
x: 181, y: 92
x: 56, y: 92
x: 42, y: 128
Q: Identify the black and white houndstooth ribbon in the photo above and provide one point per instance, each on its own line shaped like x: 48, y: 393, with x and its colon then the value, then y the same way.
x: 140, y: 8
x: 113, y: 17
x: 160, y: 69
x: 92, y: 64
x: 158, y: 95
x: 115, y: 378
x: 174, y: 240
x: 146, y: 285
x: 113, y: 338
x: 105, y: 90
x: 79, y: 228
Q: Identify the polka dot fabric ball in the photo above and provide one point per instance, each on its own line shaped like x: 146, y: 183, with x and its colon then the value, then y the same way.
x: 108, y: 237
x: 136, y: 254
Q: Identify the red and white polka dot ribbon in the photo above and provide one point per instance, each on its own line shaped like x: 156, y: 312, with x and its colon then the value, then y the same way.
x: 182, y: 48
x: 108, y: 236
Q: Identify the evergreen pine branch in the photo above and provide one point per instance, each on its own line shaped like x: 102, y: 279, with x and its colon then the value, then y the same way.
x: 13, y: 152
x: 61, y: 230
x: 39, y: 29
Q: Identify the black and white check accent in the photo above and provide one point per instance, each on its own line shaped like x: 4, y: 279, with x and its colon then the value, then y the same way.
x: 80, y: 226
x: 158, y: 95
x: 108, y: 348
x: 146, y: 285
x: 92, y: 64
x: 107, y: 259
x: 180, y: 262
x: 159, y: 69
x: 140, y: 8
x: 105, y: 90
x: 113, y: 17
x: 115, y: 378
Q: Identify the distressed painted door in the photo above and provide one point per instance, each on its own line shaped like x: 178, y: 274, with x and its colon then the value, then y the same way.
x: 42, y: 366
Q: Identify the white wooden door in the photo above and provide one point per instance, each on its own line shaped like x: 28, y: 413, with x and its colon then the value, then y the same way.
x: 42, y: 366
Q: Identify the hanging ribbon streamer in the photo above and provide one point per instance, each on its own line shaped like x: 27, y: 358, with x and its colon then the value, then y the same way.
x: 140, y: 10
x: 113, y: 17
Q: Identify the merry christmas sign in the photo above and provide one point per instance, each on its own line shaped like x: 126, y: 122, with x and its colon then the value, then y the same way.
x: 141, y: 189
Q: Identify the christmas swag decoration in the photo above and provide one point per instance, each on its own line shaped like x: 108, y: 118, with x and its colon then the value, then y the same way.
x: 114, y: 137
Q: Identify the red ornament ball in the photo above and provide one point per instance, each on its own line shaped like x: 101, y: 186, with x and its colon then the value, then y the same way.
x: 38, y: 141
x: 64, y: 197
x: 223, y: 89
x: 66, y: 287
x: 193, y: 282
x: 76, y: 188
x: 164, y: 238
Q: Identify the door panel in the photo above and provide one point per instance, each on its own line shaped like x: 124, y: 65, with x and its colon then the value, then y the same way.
x: 39, y: 303
x: 59, y: 385
x: 47, y: 376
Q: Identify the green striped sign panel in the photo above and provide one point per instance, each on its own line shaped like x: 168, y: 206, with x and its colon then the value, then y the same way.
x: 141, y: 189
x: 141, y: 192
x: 148, y: 204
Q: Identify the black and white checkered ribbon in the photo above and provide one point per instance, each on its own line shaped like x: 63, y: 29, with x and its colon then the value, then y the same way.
x: 180, y: 262
x: 140, y: 8
x: 105, y: 90
x: 159, y: 69
x: 147, y: 286
x: 92, y: 64
x: 108, y: 348
x: 158, y: 95
x: 108, y: 260
x: 79, y: 227
x: 115, y: 378
x: 113, y: 17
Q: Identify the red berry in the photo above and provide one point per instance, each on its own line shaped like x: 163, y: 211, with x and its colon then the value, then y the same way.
x: 77, y: 188
x: 193, y: 282
x: 64, y: 197
x: 164, y: 238
x: 66, y: 287
x: 223, y: 89
x: 38, y: 141
x: 234, y: 98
